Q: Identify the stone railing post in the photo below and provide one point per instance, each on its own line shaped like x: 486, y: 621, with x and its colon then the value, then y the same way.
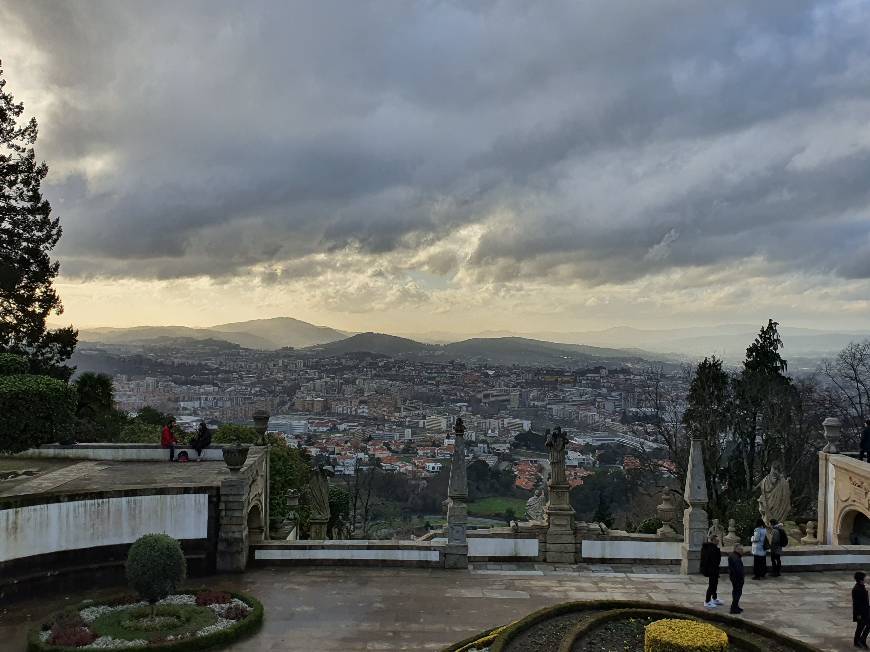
x: 456, y: 553
x: 232, y: 547
x: 695, y: 523
x: 561, y: 538
x: 832, y: 428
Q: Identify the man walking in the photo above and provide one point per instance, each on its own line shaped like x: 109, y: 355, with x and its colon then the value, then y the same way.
x: 865, y: 442
x: 736, y: 575
x: 711, y: 557
x: 759, y: 550
x: 860, y: 611
x: 778, y: 540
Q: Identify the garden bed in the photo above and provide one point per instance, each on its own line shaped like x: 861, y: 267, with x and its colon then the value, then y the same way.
x: 187, y: 620
x: 607, y: 625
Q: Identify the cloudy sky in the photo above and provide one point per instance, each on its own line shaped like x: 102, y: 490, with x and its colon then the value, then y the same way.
x: 412, y: 166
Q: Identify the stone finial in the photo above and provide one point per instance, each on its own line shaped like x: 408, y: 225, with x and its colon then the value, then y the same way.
x: 810, y: 538
x: 731, y: 539
x: 832, y: 428
x: 261, y: 422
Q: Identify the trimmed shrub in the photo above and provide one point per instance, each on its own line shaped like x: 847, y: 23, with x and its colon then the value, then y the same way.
x: 677, y: 635
x: 139, y: 433
x: 155, y: 565
x: 34, y: 410
x: 13, y: 365
x: 231, y: 433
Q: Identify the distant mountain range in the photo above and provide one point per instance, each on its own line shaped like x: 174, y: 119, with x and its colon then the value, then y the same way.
x: 268, y: 334
x: 494, y: 350
x: 727, y: 341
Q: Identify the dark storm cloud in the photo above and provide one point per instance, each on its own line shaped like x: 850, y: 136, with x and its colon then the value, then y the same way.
x: 604, y: 140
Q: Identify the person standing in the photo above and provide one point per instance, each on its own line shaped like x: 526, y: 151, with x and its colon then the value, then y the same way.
x: 736, y: 574
x: 759, y: 550
x: 778, y: 539
x: 167, y: 438
x: 860, y: 611
x: 865, y: 442
x: 711, y: 558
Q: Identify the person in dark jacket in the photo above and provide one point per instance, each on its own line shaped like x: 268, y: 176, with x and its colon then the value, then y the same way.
x: 167, y: 438
x: 711, y: 558
x: 737, y: 576
x: 860, y: 611
x: 865, y: 442
x: 201, y: 441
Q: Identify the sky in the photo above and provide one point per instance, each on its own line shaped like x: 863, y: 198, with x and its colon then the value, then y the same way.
x: 417, y: 166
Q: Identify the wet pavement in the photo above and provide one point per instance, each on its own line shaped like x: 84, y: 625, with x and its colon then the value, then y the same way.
x: 339, y: 608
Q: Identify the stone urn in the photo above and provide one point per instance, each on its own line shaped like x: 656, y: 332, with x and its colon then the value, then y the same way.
x: 235, y: 456
x: 832, y: 428
x: 261, y: 424
x: 667, y: 513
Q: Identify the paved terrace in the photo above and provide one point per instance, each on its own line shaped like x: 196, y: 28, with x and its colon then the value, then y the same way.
x: 311, y: 609
x: 53, y: 476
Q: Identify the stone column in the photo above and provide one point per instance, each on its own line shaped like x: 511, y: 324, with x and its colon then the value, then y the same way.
x: 456, y: 554
x: 832, y: 428
x: 261, y: 424
x: 561, y: 540
x: 695, y: 517
x: 232, y: 547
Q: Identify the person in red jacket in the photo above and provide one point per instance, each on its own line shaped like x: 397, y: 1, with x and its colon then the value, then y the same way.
x: 168, y: 440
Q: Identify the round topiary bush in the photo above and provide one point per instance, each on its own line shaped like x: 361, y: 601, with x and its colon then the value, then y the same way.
x: 155, y: 565
x: 34, y: 410
x: 678, y: 635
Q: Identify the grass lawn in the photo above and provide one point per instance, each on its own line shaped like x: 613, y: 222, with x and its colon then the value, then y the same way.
x: 496, y: 506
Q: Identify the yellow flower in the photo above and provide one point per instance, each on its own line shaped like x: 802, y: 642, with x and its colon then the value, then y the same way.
x: 677, y: 635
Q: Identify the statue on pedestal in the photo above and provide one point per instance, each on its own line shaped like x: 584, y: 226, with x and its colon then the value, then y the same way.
x: 535, y: 507
x: 556, y: 441
x: 775, y: 499
x: 716, y: 530
x: 318, y: 489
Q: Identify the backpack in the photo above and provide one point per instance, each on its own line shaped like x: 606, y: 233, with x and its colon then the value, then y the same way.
x: 783, y: 538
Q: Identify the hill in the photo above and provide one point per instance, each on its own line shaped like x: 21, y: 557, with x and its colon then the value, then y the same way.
x: 266, y: 334
x: 379, y: 343
x: 525, y: 351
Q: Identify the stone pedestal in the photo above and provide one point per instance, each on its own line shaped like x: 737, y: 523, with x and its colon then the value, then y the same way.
x: 232, y: 547
x: 456, y: 552
x: 317, y: 529
x: 561, y: 542
x: 695, y: 523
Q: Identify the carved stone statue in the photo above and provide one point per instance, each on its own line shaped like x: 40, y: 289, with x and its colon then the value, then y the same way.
x: 535, y: 507
x: 716, y: 530
x: 319, y: 490
x: 731, y: 539
x: 775, y: 499
x: 556, y: 441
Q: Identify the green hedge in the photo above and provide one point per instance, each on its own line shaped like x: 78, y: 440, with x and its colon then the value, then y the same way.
x: 222, y: 638
x: 35, y: 410
x: 12, y: 365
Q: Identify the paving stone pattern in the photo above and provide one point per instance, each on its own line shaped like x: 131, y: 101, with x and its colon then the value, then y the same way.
x: 310, y: 609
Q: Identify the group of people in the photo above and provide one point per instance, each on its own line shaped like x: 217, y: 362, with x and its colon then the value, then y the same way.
x: 200, y: 441
x: 764, y: 540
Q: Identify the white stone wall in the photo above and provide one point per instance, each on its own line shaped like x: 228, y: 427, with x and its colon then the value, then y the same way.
x: 615, y: 549
x: 492, y: 547
x: 334, y: 553
x: 115, y: 453
x: 55, y: 527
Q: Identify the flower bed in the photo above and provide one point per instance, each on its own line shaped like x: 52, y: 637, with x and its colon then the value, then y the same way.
x: 606, y: 625
x: 193, y: 620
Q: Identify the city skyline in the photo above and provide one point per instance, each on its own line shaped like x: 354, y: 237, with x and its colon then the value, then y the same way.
x: 454, y: 168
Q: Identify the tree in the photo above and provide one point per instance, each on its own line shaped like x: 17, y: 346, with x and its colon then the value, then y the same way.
x: 849, y: 374
x: 96, y: 415
x: 230, y: 433
x: 152, y: 417
x: 708, y: 417
x: 28, y: 233
x: 764, y: 400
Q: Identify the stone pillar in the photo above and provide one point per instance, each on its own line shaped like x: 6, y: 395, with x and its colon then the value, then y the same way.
x: 695, y: 517
x: 232, y: 547
x: 456, y: 553
x: 561, y: 539
x: 317, y: 529
x: 832, y: 428
x: 261, y: 424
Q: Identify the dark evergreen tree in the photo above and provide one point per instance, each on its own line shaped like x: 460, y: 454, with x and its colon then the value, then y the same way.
x: 28, y: 233
x: 708, y: 417
x: 764, y: 401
